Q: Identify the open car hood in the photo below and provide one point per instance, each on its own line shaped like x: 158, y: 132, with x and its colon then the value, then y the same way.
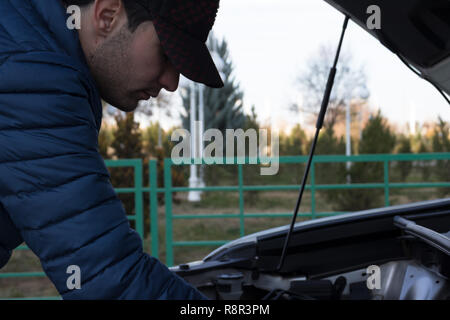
x: 409, y: 243
x: 416, y: 30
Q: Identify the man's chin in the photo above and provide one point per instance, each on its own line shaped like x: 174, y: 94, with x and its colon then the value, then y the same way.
x: 128, y: 106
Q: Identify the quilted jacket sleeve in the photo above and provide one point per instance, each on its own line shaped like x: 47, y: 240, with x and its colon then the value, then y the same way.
x: 56, y: 189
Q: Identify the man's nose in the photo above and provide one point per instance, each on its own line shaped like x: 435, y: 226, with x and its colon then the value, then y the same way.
x: 170, y: 78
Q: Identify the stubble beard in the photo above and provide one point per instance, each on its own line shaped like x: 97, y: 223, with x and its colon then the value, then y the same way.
x: 109, y: 65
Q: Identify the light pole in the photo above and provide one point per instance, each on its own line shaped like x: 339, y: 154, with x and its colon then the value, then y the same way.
x: 362, y: 95
x: 201, y: 118
x: 193, y: 195
x: 218, y: 61
x: 197, y: 131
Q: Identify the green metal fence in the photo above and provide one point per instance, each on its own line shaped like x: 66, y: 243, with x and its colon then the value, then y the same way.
x: 312, y: 186
x: 153, y: 189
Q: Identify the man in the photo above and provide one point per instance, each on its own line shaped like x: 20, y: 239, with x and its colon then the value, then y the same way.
x: 55, y: 192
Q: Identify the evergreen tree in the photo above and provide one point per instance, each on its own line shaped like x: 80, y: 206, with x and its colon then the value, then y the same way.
x: 441, y: 139
x: 325, y: 173
x: 251, y: 120
x: 424, y: 166
x: 441, y: 143
x: 376, y: 138
x: 329, y: 173
x: 404, y: 167
x: 329, y: 144
x: 152, y: 135
x: 294, y: 143
x: 127, y: 142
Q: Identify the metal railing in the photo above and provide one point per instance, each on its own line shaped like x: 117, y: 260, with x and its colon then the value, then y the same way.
x: 312, y: 187
x: 168, y: 190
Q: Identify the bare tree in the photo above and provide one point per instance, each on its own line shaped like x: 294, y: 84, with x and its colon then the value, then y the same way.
x: 350, y: 83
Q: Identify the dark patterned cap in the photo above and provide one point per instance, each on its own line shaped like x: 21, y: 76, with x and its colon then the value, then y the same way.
x: 183, y: 27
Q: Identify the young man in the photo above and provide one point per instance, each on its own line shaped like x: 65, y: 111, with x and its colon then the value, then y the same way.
x: 55, y: 192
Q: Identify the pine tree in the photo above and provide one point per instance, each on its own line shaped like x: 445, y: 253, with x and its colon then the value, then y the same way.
x: 127, y: 142
x: 251, y: 120
x: 376, y: 138
x: 441, y: 137
x: 152, y: 135
x: 424, y: 166
x: 329, y: 173
x: 441, y: 143
x: 329, y: 144
x: 294, y: 143
x: 404, y: 167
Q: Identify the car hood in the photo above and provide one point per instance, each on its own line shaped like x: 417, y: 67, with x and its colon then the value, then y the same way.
x: 420, y: 208
x: 354, y: 237
x: 416, y: 30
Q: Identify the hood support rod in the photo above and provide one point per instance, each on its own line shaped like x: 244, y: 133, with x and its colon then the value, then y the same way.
x: 319, y: 124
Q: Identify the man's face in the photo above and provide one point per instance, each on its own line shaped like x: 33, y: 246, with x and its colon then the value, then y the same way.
x: 127, y: 67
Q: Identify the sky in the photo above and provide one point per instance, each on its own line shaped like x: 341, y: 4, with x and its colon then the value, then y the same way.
x: 270, y: 42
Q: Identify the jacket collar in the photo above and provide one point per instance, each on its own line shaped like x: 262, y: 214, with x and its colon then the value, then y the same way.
x: 67, y: 41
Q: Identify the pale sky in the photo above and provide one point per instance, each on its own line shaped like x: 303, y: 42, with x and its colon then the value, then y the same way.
x: 270, y: 41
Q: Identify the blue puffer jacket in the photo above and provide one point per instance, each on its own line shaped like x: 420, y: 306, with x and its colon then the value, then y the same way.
x: 55, y: 192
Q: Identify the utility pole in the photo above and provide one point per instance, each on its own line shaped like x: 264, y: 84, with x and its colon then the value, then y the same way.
x: 201, y: 118
x: 193, y: 195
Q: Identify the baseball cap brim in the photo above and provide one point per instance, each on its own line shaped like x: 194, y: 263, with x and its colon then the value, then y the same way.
x: 188, y: 55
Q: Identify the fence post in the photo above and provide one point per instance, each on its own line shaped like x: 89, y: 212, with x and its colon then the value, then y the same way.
x: 386, y: 183
x: 138, y: 197
x: 168, y: 204
x: 153, y: 171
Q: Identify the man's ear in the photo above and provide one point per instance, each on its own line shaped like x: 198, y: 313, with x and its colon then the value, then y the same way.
x: 108, y: 15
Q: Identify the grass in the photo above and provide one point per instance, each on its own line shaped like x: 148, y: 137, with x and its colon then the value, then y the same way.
x: 25, y: 261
